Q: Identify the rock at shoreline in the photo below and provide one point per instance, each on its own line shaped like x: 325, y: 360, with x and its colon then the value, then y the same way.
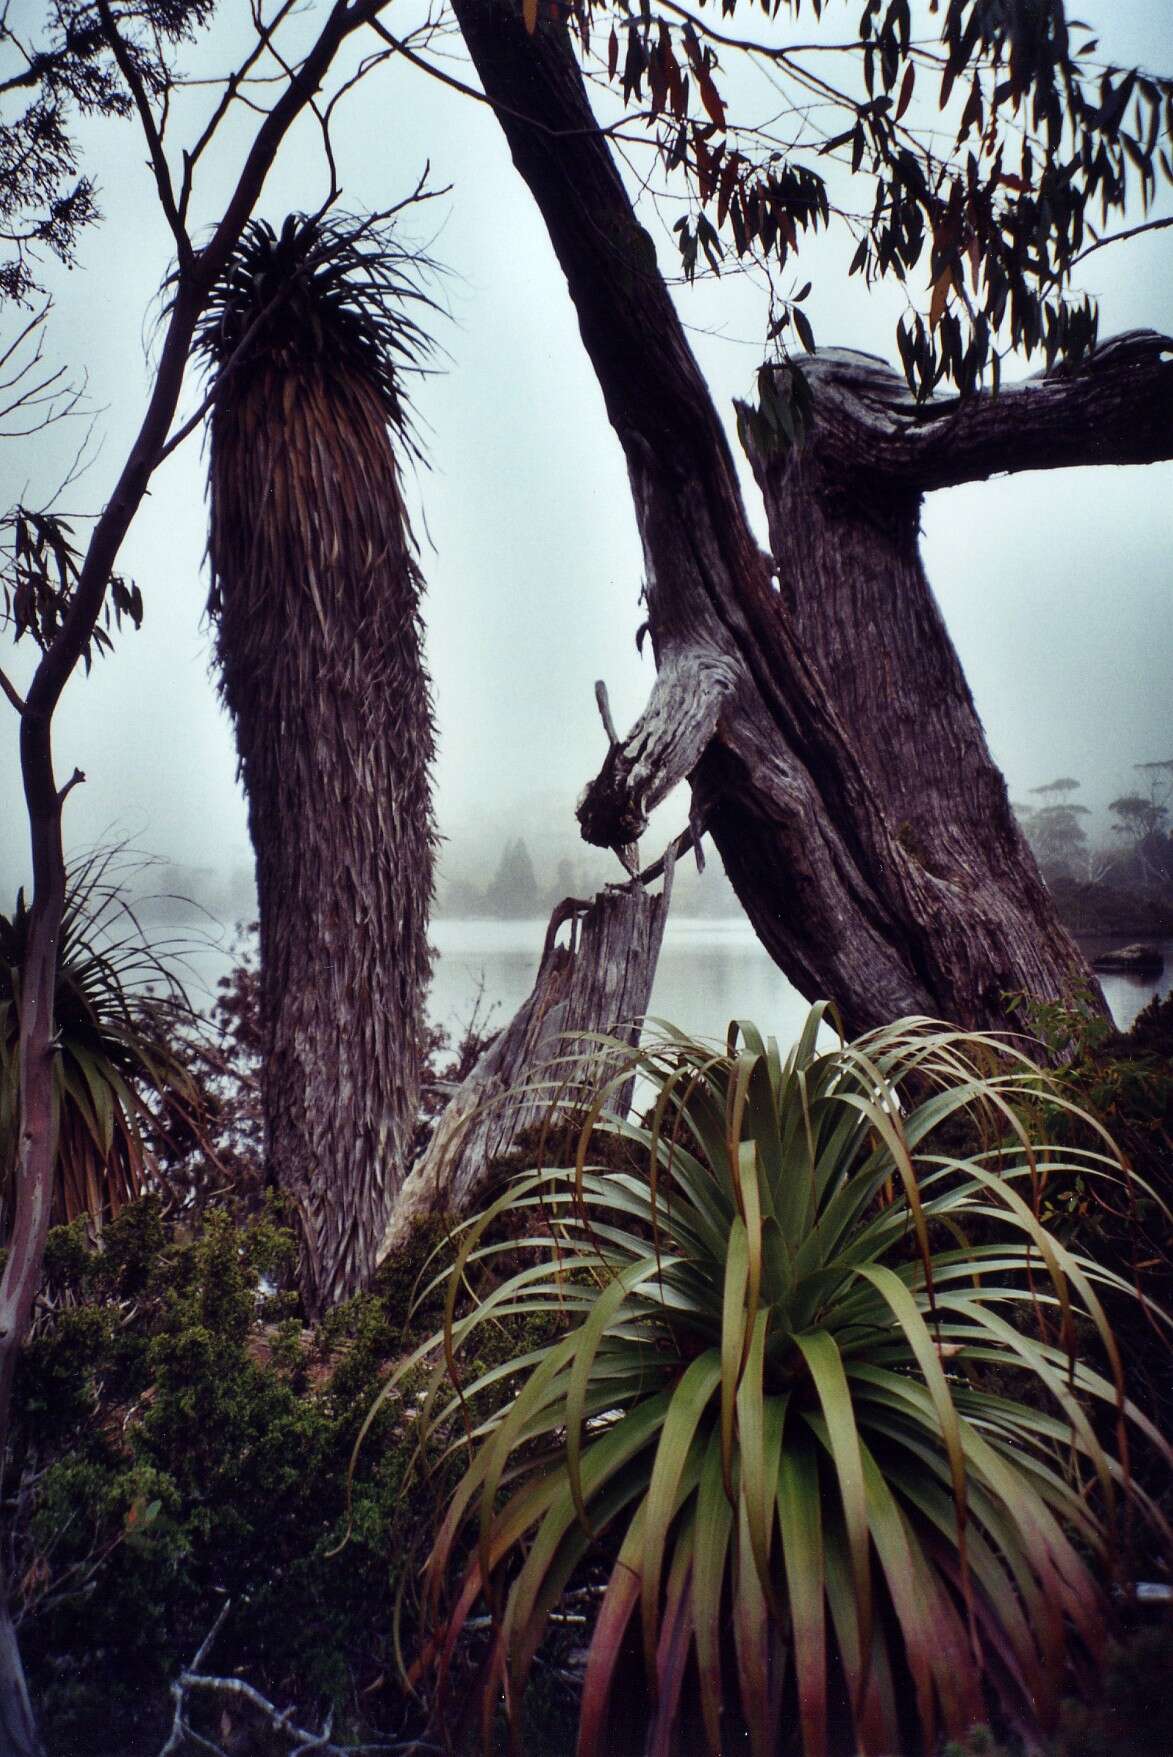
x: 1138, y: 960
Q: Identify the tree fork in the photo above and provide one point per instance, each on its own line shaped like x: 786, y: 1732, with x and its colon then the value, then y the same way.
x: 848, y: 894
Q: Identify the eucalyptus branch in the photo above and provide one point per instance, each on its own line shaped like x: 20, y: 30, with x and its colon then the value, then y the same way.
x: 231, y: 90
x: 12, y: 693
x: 782, y: 56
x: 1119, y: 237
x: 164, y: 112
x: 75, y: 780
x: 613, y: 130
x: 151, y: 133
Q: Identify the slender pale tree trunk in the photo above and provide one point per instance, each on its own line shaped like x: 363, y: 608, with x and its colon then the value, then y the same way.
x: 887, y: 904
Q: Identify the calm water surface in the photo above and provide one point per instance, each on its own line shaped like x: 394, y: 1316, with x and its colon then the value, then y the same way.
x: 709, y: 972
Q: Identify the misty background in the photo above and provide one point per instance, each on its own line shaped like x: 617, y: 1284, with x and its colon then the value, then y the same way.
x: 1054, y: 586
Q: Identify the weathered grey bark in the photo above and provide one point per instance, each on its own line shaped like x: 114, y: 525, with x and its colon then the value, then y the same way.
x: 854, y: 896
x: 844, y: 517
x: 543, y: 1060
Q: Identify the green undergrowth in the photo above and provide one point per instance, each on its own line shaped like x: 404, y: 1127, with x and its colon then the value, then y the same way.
x: 1125, y: 1081
x: 1132, y: 1715
x: 182, y: 1442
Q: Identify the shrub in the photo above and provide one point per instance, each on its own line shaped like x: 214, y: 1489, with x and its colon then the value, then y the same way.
x: 118, y: 1068
x: 1124, y: 1081
x: 821, y: 1414
x: 180, y: 1441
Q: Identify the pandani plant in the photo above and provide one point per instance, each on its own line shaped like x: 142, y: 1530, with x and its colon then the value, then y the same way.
x: 120, y: 1075
x: 315, y: 599
x: 841, y: 1422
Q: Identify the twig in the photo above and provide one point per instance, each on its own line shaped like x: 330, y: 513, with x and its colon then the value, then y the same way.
x: 151, y: 134
x: 604, y: 702
x: 571, y: 908
x: 10, y: 691
x: 179, y: 1727
x: 75, y: 780
x: 280, y: 1720
x: 230, y: 92
x: 1119, y: 237
x: 611, y: 131
x: 690, y: 838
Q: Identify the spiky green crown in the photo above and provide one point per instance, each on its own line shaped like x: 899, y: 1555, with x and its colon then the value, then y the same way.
x: 331, y: 292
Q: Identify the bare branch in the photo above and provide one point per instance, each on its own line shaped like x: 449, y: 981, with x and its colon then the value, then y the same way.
x: 35, y: 322
x: 604, y: 703
x: 662, y: 748
x: 79, y: 464
x: 613, y: 129
x: 680, y: 845
x: 75, y: 780
x: 1115, y: 407
x: 1119, y: 237
x: 191, y: 1679
x: 11, y: 692
x: 49, y: 393
x: 231, y: 91
x: 153, y: 137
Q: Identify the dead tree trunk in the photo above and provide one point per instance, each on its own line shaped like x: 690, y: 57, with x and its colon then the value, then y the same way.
x: 543, y: 1061
x: 887, y: 909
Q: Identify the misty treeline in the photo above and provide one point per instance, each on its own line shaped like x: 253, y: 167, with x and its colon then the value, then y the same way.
x: 1116, y: 875
x: 522, y: 887
x: 810, y: 697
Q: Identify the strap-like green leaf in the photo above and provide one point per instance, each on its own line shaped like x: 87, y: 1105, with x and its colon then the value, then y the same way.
x: 825, y: 1365
x: 689, y: 1402
x: 735, y: 1336
x: 590, y: 1334
x: 800, y: 1521
x: 714, y: 1526
x: 615, y: 1613
x: 905, y: 1311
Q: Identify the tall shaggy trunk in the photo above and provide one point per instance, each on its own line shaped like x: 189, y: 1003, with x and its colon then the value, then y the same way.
x: 788, y: 709
x: 317, y: 596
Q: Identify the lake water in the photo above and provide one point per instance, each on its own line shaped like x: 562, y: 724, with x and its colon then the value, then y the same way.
x: 709, y: 972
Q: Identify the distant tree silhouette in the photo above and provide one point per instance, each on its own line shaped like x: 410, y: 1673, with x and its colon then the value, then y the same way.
x: 514, y: 890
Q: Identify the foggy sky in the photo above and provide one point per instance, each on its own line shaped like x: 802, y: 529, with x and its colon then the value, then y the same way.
x: 1054, y: 587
